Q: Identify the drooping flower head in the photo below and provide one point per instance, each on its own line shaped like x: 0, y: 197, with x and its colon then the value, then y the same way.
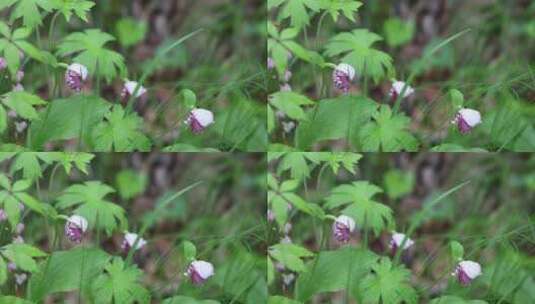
x: 342, y: 228
x: 75, y: 228
x: 467, y: 271
x: 199, y: 119
x: 342, y: 76
x: 75, y: 76
x: 466, y: 119
x: 130, y: 88
x: 200, y: 271
x: 397, y: 240
x: 397, y: 89
x: 130, y: 240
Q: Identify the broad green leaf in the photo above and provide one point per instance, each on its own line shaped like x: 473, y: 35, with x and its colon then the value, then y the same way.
x: 398, y: 183
x: 398, y: 32
x: 387, y: 284
x: 66, y: 271
x: 120, y: 283
x: 29, y: 10
x: 120, y: 132
x: 88, y: 200
x: 23, y: 104
x: 388, y: 133
x: 130, y: 183
x: 65, y: 119
x: 356, y: 49
x: 336, y: 7
x: 290, y: 103
x: 332, y: 271
x: 281, y: 300
x: 455, y: 300
x: 23, y: 256
x: 290, y: 255
x: 88, y: 49
x: 299, y: 11
x: 69, y: 7
x: 331, y: 119
x: 130, y: 31
x: 187, y: 300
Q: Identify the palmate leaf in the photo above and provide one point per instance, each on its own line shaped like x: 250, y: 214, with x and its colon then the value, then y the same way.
x: 299, y: 11
x: 88, y: 48
x: 120, y: 283
x: 69, y: 7
x: 89, y: 201
x: 120, y: 132
x: 336, y: 7
x: 356, y: 49
x: 297, y: 164
x: 290, y: 255
x: 290, y: 104
x: 357, y: 197
x: 28, y: 10
x: 387, y: 284
x: 23, y: 255
x: 23, y: 104
x: 388, y: 133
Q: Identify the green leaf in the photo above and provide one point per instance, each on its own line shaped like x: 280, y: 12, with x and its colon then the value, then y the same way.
x: 388, y: 133
x: 357, y: 197
x: 333, y: 271
x: 14, y: 300
x: 187, y: 300
x: 387, y: 284
x: 29, y: 11
x: 290, y: 103
x: 66, y: 119
x: 30, y: 164
x: 130, y: 183
x: 455, y: 300
x: 69, y: 7
x: 120, y: 132
x: 3, y: 119
x: 120, y: 283
x: 398, y: 183
x: 66, y: 271
x: 130, y: 31
x: 345, y: 159
x: 457, y: 99
x: 398, y: 32
x: 457, y: 250
x: 332, y: 119
x: 290, y: 255
x: 297, y: 164
x: 88, y: 48
x: 3, y: 271
x: 23, y: 104
x: 298, y: 11
x: 189, y: 250
x: 336, y: 7
x: 79, y: 160
x: 281, y: 300
x: 23, y: 256
x: 89, y: 201
x: 356, y: 49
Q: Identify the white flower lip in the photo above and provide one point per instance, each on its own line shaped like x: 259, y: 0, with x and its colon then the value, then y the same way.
x: 130, y: 239
x: 397, y: 239
x: 203, y: 268
x: 471, y: 268
x: 347, y: 69
x: 397, y: 87
x: 347, y: 221
x: 79, y: 69
x: 79, y: 221
x: 131, y: 86
x: 470, y: 116
x: 204, y: 117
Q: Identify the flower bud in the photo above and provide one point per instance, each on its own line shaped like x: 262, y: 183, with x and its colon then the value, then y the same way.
x: 397, y: 89
x: 200, y: 119
x: 342, y: 76
x: 130, y: 88
x: 342, y: 228
x: 466, y: 271
x: 130, y: 240
x: 75, y: 228
x: 75, y: 75
x: 200, y: 271
x: 466, y: 119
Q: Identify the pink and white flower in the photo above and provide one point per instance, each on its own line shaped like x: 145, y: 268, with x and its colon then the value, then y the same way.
x: 199, y: 271
x: 75, y: 76
x: 467, y: 271
x: 397, y: 89
x: 75, y: 228
x: 466, y: 119
x: 397, y: 240
x: 130, y: 240
x: 199, y: 119
x: 343, y: 74
x: 342, y: 228
x: 130, y: 88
